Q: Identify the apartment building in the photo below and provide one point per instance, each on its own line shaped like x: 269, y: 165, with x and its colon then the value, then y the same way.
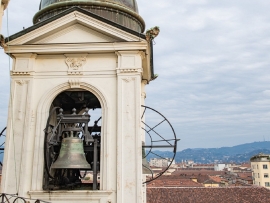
x: 155, y: 162
x: 260, y: 165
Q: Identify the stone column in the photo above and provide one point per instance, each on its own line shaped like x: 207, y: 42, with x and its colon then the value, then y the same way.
x: 20, y: 128
x: 129, y: 142
x: 143, y: 96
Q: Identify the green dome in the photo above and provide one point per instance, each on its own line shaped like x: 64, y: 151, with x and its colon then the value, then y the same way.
x: 131, y: 4
x: 123, y: 12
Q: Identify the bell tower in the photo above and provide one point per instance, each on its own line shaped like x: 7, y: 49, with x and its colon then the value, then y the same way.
x: 74, y: 123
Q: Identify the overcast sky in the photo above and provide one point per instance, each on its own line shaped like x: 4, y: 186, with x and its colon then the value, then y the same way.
x: 213, y: 62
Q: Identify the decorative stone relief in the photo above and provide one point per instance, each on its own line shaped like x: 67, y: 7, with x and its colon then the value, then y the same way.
x: 74, y: 83
x: 75, y: 65
x: 21, y: 73
x: 130, y: 70
x: 143, y: 95
x: 128, y: 79
x: 21, y: 82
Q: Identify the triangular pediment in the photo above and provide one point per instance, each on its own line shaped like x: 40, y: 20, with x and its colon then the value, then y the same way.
x: 74, y: 27
x: 75, y: 33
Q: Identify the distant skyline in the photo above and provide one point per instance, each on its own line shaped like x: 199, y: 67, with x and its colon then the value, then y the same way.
x: 213, y: 62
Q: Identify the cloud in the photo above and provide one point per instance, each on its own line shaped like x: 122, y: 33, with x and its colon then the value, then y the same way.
x: 213, y: 64
x: 212, y: 58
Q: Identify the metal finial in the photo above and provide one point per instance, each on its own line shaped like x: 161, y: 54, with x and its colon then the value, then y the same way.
x: 86, y: 111
x: 60, y: 112
x: 73, y: 111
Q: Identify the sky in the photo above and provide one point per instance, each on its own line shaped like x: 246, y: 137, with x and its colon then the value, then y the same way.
x: 213, y: 62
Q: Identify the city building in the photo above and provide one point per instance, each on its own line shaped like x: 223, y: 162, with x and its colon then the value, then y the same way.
x: 157, y: 162
x: 221, y: 167
x: 260, y: 165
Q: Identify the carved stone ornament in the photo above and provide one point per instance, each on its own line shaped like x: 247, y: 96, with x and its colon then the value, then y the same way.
x: 129, y: 70
x: 74, y: 83
x: 75, y: 65
x: 22, y: 82
x: 143, y: 95
x: 21, y: 73
x: 128, y: 79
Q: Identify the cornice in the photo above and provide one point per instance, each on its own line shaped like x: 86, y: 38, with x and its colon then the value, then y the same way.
x: 76, y: 48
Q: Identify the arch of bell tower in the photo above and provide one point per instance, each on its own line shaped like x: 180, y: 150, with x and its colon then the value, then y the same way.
x: 42, y: 115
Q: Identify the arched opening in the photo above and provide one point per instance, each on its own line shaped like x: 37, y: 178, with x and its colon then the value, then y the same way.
x: 72, y: 142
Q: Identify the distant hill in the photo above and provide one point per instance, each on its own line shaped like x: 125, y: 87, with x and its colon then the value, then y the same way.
x: 238, y: 154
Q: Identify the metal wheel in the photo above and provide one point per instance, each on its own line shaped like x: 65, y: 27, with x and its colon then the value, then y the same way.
x: 2, y: 141
x: 50, y: 146
x: 160, y: 142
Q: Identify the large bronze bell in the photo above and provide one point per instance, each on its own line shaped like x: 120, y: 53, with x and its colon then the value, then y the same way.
x: 71, y: 155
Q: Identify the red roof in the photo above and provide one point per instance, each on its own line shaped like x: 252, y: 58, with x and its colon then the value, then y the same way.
x: 208, y: 195
x: 198, y: 172
x: 248, y: 165
x: 216, y: 179
x: 174, y: 183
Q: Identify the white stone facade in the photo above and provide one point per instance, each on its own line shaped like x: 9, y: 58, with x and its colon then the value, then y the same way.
x: 80, y: 52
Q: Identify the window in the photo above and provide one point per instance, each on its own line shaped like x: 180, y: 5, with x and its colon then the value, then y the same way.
x: 265, y: 166
x: 267, y: 184
x: 257, y: 166
x: 258, y: 175
x: 266, y: 175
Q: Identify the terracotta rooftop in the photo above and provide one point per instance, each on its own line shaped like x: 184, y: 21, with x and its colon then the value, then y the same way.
x: 208, y: 195
x: 248, y: 165
x: 210, y: 165
x: 216, y: 179
x: 210, y: 181
x: 198, y: 172
x: 181, y: 177
x: 246, y: 176
x: 174, y: 183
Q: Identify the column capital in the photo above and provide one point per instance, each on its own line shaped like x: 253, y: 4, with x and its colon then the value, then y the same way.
x: 130, y: 62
